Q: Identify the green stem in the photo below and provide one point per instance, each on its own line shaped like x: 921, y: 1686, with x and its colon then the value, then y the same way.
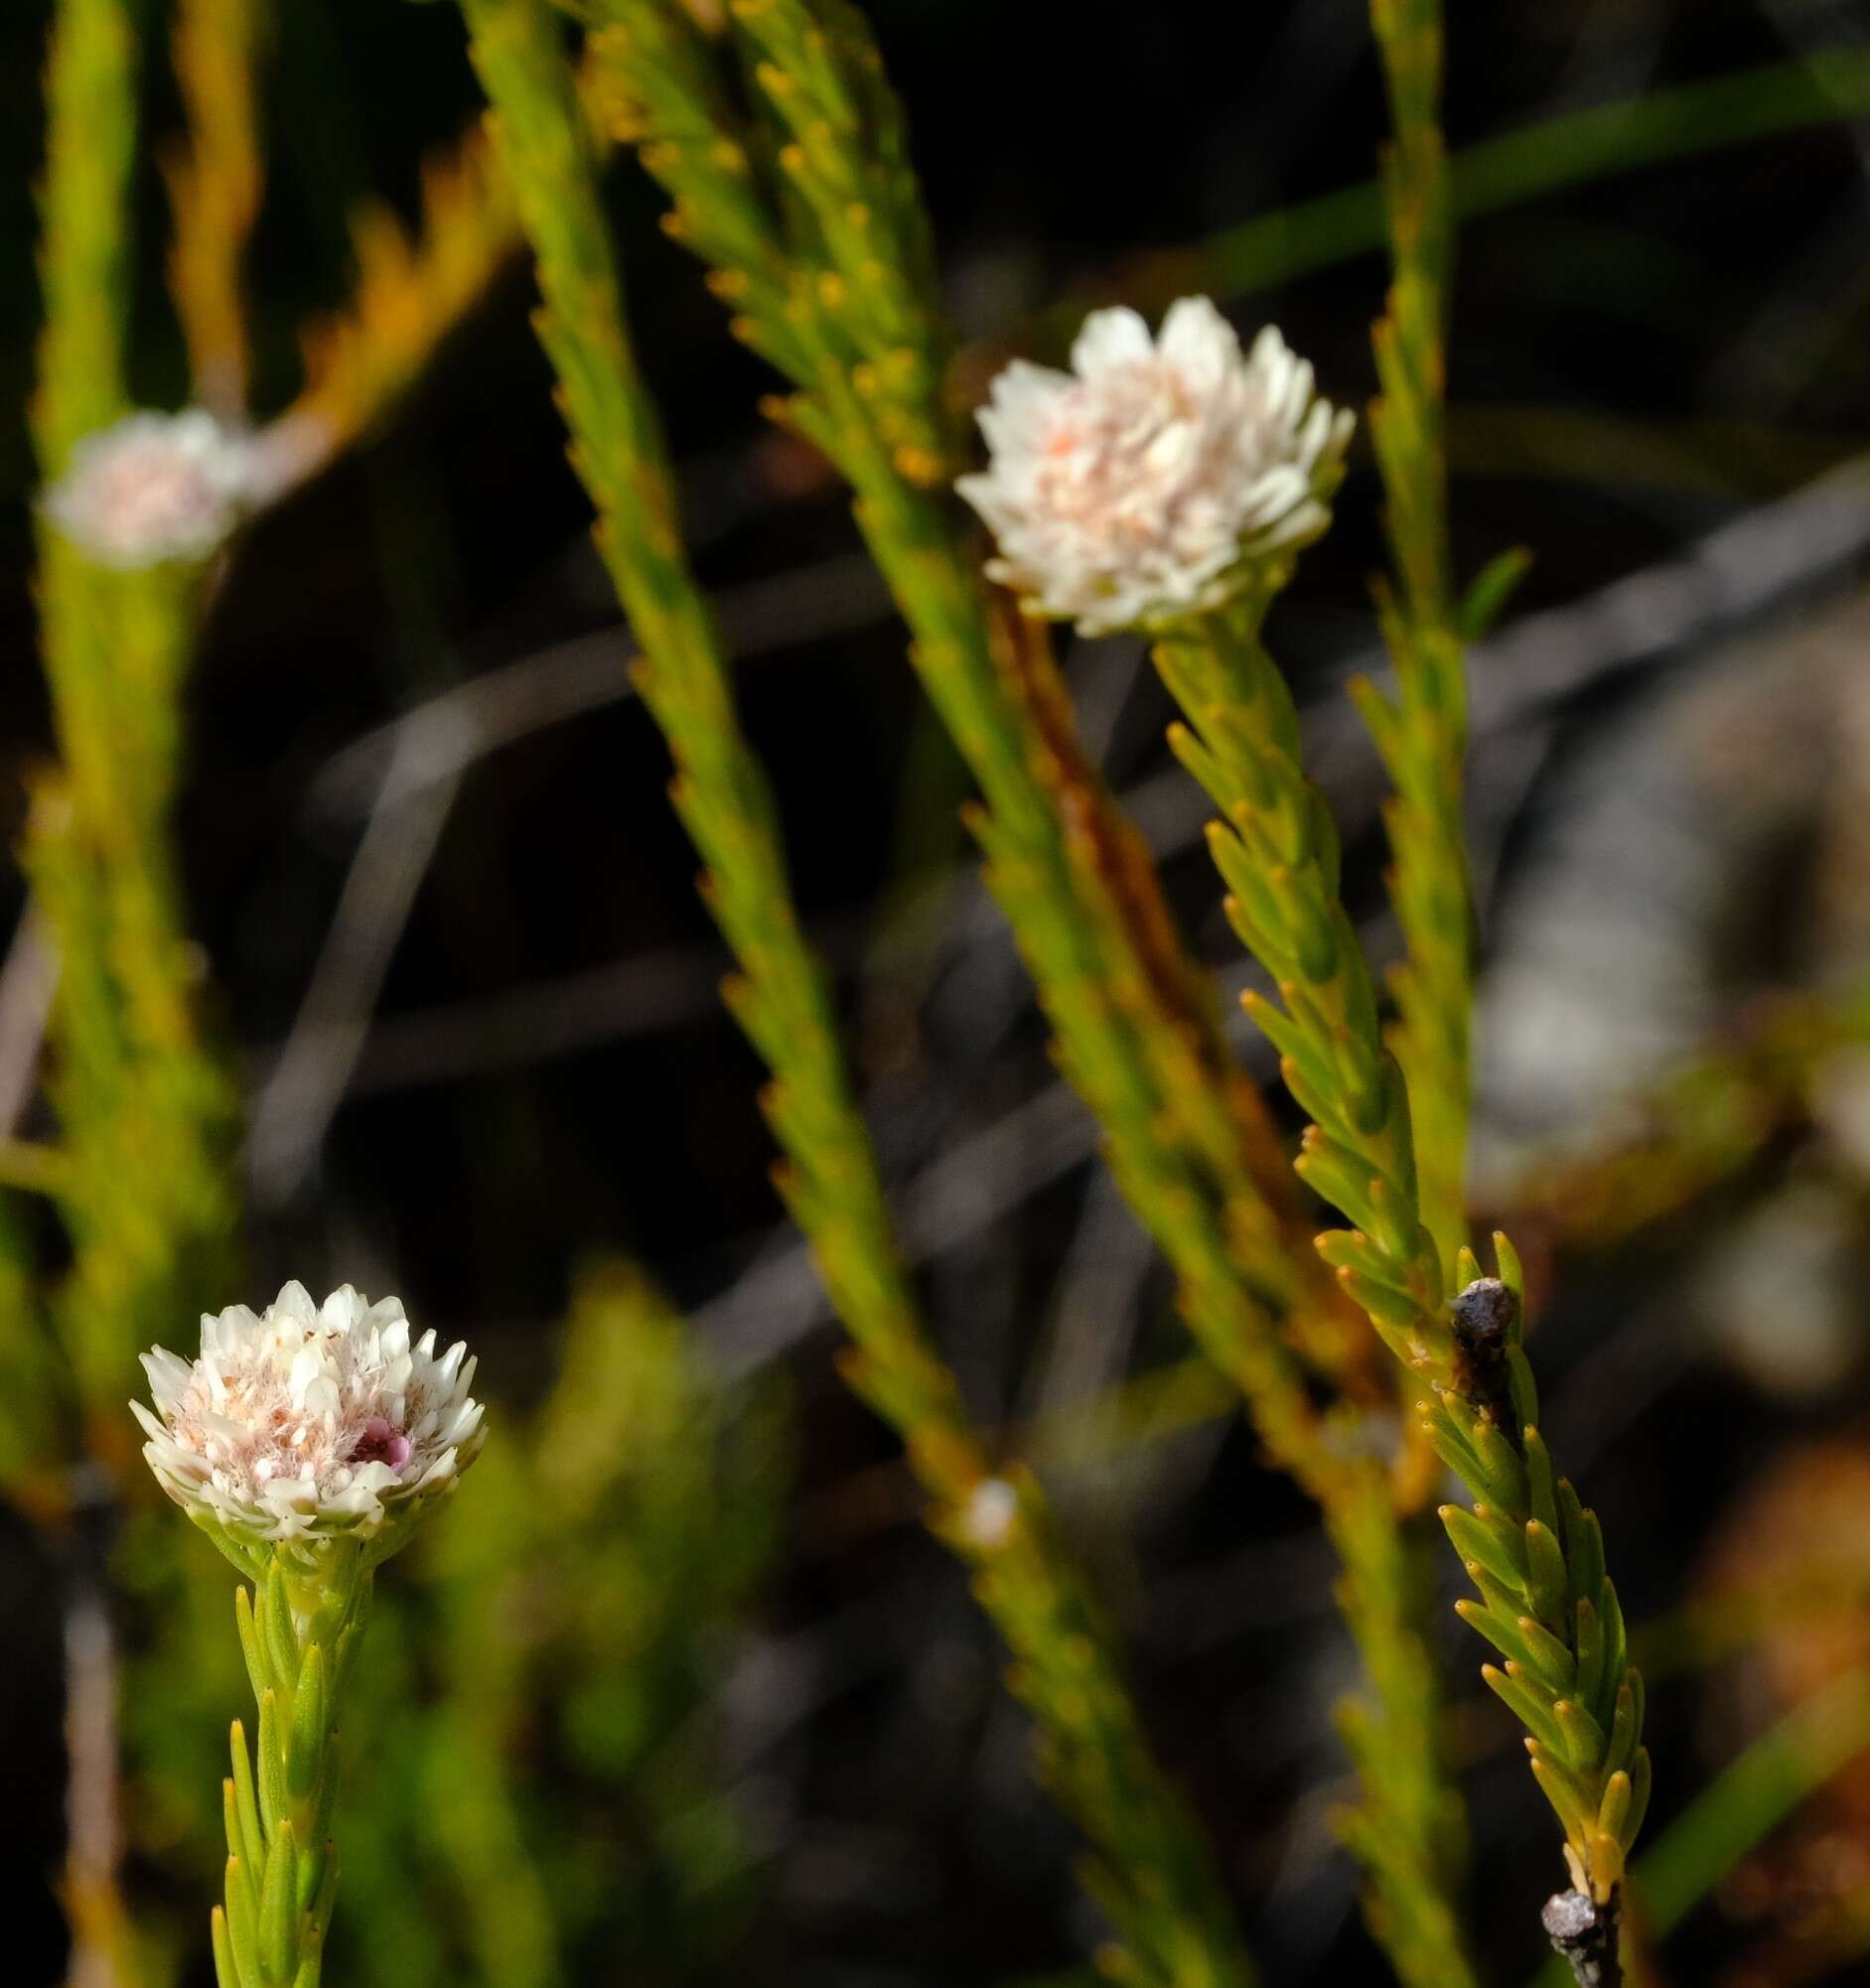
x: 299, y: 1625
x: 1423, y: 733
x: 85, y: 222
x: 1533, y: 1552
x: 1155, y: 1877
x: 1140, y: 1046
x: 145, y: 1113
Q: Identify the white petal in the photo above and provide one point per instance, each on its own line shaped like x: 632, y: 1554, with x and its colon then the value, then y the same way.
x: 1107, y: 338
x: 1195, y: 334
x: 294, y: 1304
x: 341, y: 1311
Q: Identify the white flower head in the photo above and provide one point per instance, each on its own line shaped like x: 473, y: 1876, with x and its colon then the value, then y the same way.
x: 154, y: 488
x: 310, y: 1422
x: 1138, y: 486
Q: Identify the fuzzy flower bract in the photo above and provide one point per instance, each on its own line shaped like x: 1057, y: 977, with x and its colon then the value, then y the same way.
x: 310, y: 1422
x: 1136, y: 488
x: 154, y: 488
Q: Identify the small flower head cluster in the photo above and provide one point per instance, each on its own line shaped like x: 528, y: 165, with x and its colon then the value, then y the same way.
x: 154, y: 488
x: 1139, y: 487
x: 310, y: 1422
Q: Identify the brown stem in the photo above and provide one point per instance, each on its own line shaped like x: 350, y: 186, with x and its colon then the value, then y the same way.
x: 1111, y: 851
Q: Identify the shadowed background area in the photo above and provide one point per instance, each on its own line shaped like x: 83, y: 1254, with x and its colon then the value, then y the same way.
x: 682, y: 1678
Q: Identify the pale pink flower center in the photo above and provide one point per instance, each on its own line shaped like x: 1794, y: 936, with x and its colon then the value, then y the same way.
x: 1124, y: 450
x: 380, y: 1442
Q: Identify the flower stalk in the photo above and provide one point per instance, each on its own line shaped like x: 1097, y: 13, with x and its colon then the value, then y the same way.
x: 1421, y: 732
x: 141, y: 1176
x: 307, y: 1443
x: 1157, y: 477
x: 1124, y: 476
x: 1533, y: 1552
x: 299, y: 1625
x: 1154, y: 1874
x: 145, y: 1111
x: 809, y: 216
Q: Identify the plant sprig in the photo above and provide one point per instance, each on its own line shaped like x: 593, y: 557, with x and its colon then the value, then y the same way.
x: 299, y: 1625
x: 808, y: 217
x: 215, y: 178
x: 146, y: 1112
x: 1534, y: 1554
x: 1422, y: 732
x: 1155, y: 1876
x: 806, y: 214
x: 142, y: 1176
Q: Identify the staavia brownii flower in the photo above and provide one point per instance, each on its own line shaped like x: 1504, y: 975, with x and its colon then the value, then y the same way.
x: 310, y: 1422
x: 1135, y: 489
x: 154, y: 488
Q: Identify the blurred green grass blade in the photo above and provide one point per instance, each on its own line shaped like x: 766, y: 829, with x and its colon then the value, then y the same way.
x: 1292, y: 242
x: 1743, y: 1804
x: 1581, y: 145
x: 1756, y: 1793
x: 1565, y: 151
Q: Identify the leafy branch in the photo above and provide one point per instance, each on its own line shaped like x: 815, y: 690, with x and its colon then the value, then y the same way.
x: 299, y: 1625
x: 1155, y: 1878
x: 214, y: 179
x: 805, y: 210
x: 146, y: 1113
x: 1533, y: 1553
x: 1422, y: 732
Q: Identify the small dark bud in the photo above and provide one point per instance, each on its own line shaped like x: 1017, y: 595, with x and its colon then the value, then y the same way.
x: 1586, y: 1935
x: 1486, y: 1309
x: 1485, y: 1314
